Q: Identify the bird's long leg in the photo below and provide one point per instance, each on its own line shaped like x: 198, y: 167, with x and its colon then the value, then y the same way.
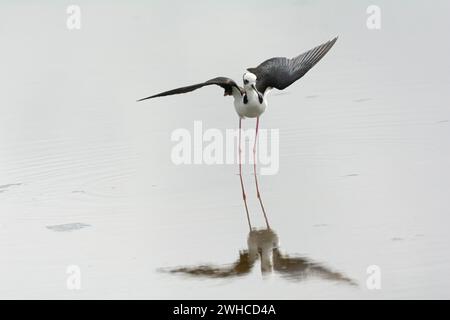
x: 256, y: 177
x: 240, y: 176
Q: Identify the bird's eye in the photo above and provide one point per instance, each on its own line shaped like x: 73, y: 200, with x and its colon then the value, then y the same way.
x: 245, y: 81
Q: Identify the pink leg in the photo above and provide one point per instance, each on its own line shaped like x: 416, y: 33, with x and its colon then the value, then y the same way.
x: 240, y: 176
x: 256, y: 177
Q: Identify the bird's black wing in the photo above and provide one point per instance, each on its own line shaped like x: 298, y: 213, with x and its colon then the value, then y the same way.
x: 280, y: 72
x: 226, y: 83
x: 300, y: 268
x: 241, y: 267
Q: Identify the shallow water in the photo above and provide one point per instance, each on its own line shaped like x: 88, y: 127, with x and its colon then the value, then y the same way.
x: 86, y: 176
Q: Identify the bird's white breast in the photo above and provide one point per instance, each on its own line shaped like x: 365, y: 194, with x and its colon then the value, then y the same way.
x: 253, y: 108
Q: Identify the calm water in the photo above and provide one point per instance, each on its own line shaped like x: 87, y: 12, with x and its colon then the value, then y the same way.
x: 86, y: 177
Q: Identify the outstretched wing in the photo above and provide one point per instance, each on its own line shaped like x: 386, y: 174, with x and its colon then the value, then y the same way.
x: 239, y: 268
x: 226, y: 83
x: 301, y: 268
x: 280, y: 73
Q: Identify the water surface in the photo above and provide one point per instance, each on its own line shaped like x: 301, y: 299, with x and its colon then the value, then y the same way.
x: 364, y: 152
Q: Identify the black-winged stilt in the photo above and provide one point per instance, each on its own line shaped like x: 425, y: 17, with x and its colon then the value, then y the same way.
x: 251, y: 100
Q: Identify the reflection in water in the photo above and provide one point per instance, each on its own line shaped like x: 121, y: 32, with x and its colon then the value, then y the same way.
x: 263, y: 246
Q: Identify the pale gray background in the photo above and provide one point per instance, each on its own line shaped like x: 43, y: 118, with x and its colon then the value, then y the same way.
x: 364, y: 143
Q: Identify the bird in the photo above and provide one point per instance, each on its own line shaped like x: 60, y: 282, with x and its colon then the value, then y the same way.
x: 263, y: 245
x: 250, y: 101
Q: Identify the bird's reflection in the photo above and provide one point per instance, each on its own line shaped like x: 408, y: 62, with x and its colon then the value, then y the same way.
x: 262, y: 245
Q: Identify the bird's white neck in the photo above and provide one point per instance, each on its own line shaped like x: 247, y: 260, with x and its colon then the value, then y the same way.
x: 251, y: 92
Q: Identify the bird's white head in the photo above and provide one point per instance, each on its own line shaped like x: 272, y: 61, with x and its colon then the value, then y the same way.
x: 249, y: 79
